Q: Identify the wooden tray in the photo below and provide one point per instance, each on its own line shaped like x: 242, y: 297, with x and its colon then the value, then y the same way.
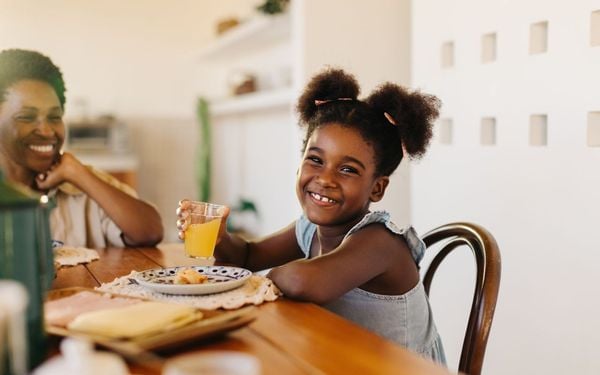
x: 213, y: 323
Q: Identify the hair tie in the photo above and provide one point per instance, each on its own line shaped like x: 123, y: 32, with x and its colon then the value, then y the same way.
x: 319, y: 102
x: 390, y: 118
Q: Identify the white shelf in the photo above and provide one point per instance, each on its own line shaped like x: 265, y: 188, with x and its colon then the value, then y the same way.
x: 248, y: 36
x: 262, y: 100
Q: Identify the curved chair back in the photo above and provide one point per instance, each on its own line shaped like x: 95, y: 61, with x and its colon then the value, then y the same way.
x: 487, y: 282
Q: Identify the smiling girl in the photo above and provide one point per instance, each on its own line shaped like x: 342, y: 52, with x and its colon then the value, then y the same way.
x: 339, y: 254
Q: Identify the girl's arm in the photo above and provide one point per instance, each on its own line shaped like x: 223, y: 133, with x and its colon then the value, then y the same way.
x: 372, y: 256
x: 140, y: 222
x: 276, y: 249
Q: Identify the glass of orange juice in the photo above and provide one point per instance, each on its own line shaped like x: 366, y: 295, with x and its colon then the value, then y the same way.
x: 203, y: 229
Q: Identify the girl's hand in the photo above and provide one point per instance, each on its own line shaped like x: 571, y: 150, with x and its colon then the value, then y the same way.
x: 65, y: 169
x: 183, y: 219
x: 183, y: 215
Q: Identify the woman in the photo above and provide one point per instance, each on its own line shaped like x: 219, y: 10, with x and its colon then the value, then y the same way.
x: 92, y: 208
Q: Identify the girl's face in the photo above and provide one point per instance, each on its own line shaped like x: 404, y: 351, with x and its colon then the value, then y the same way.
x: 31, y: 126
x: 336, y: 181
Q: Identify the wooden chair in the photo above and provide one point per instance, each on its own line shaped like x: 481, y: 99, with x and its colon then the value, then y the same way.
x: 487, y: 282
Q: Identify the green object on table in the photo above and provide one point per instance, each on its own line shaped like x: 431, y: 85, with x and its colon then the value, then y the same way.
x: 203, y: 169
x: 26, y: 256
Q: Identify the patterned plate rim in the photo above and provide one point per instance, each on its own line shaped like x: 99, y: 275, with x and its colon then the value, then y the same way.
x: 207, y: 288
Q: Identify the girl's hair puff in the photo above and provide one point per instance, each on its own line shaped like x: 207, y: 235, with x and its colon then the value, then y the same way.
x: 331, y: 84
x: 412, y: 114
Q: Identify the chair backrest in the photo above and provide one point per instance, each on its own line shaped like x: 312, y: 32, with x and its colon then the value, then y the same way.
x: 487, y: 282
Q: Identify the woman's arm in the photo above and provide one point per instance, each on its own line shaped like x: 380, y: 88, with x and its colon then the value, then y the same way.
x: 140, y: 222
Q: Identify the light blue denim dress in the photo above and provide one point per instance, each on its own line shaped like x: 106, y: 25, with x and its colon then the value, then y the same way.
x: 405, y: 319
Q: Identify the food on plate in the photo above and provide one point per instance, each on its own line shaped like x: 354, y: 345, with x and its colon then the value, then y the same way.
x: 141, y: 319
x: 61, y: 312
x: 190, y: 276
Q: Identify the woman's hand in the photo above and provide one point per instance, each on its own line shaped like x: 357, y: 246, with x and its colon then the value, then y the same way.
x: 65, y: 169
x: 183, y: 219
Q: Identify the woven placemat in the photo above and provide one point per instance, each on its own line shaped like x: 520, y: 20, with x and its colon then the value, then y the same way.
x: 256, y: 290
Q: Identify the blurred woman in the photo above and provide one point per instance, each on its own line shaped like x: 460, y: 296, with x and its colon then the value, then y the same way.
x: 92, y: 208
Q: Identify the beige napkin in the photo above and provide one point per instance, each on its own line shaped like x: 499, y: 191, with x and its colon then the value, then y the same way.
x: 135, y: 320
x: 70, y: 256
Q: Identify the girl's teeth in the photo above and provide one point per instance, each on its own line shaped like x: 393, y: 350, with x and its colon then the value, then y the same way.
x: 322, y: 198
x: 44, y: 148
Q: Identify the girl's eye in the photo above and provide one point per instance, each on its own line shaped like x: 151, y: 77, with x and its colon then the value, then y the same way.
x: 314, y: 159
x: 347, y: 169
x: 55, y: 118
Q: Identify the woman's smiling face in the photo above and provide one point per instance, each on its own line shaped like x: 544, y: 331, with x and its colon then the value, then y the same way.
x: 336, y: 181
x: 31, y: 126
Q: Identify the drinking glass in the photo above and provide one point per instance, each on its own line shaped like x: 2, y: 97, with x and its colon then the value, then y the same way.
x: 203, y: 229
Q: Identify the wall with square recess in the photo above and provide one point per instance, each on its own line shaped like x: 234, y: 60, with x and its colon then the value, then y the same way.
x: 524, y: 161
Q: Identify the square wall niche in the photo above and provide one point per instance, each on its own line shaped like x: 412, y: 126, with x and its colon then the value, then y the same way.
x: 593, y: 129
x: 447, y: 55
x: 538, y: 37
x: 488, y: 48
x: 595, y: 28
x: 445, y: 131
x: 538, y: 130
x: 488, y: 131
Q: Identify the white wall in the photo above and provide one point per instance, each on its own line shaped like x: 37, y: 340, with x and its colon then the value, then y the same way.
x: 541, y: 202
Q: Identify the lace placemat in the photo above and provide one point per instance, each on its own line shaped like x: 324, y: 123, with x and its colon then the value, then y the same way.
x: 70, y: 256
x: 256, y: 290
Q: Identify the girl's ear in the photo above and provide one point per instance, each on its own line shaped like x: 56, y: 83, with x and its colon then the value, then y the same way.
x: 379, y: 186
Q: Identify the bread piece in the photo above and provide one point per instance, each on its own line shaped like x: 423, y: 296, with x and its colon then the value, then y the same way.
x: 190, y: 276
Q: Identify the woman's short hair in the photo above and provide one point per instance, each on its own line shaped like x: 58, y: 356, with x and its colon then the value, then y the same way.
x: 19, y: 64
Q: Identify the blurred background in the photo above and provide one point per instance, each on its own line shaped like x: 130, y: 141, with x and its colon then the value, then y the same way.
x: 152, y: 85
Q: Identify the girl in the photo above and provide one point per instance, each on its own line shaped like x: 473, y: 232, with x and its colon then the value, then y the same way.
x: 339, y: 254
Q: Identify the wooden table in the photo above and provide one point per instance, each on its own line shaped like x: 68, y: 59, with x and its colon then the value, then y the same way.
x: 287, y: 337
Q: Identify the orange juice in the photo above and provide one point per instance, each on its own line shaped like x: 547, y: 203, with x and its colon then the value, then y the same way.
x: 200, y: 239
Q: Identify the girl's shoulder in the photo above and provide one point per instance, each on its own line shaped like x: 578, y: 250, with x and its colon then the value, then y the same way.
x: 414, y: 242
x: 305, y: 231
x: 382, y: 217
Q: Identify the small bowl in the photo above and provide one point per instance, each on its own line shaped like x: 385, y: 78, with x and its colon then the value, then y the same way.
x: 213, y: 363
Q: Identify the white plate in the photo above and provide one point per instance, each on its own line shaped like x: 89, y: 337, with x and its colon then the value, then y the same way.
x: 220, y: 279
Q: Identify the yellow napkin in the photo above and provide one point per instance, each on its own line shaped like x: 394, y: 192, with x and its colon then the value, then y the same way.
x: 143, y: 318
